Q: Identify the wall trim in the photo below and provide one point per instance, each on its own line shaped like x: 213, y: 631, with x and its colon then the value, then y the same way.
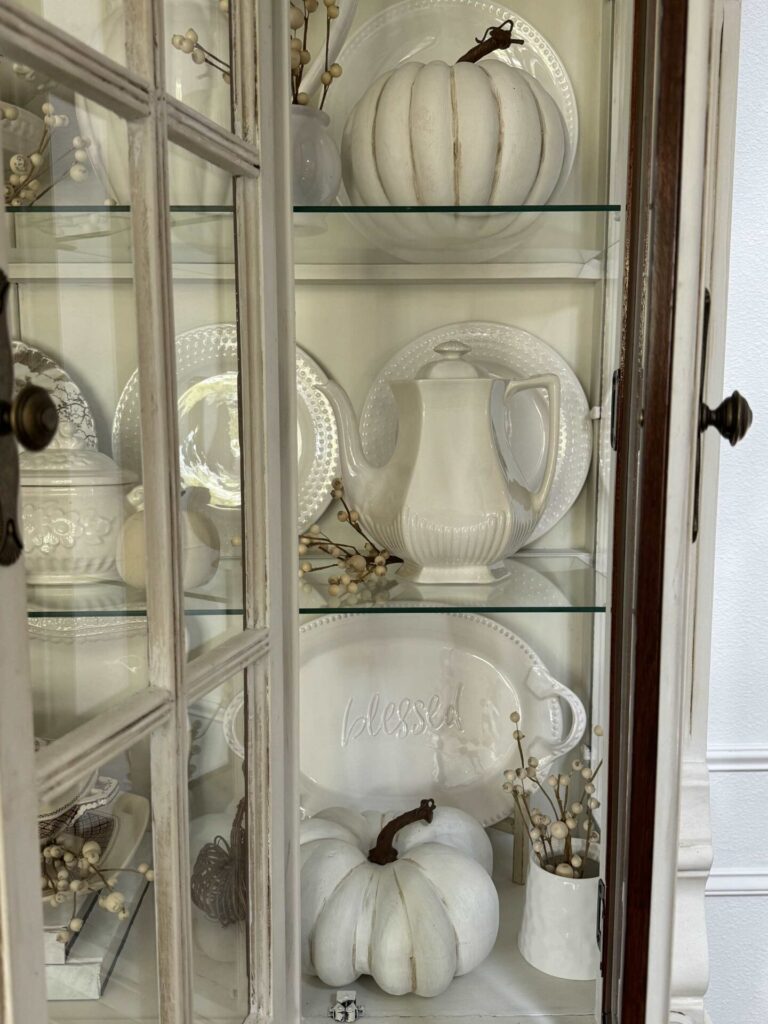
x: 738, y: 882
x: 738, y: 759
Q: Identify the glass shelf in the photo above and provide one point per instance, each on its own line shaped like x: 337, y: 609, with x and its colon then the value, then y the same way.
x: 454, y: 210
x: 455, y: 242
x: 334, y: 242
x: 221, y: 596
x: 534, y: 583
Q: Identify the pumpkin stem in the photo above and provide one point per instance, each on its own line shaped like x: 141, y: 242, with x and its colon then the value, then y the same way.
x: 497, y: 37
x: 384, y: 852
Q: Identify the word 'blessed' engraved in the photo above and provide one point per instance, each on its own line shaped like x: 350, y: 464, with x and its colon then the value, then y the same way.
x: 399, y: 719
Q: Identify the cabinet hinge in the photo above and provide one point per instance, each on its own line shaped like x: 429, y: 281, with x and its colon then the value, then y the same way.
x: 615, y: 385
x: 600, y: 914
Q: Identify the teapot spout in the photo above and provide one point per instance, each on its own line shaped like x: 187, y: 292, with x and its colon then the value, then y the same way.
x: 355, y: 468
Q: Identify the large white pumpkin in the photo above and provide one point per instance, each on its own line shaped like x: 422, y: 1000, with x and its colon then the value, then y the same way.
x: 414, y: 923
x: 485, y: 134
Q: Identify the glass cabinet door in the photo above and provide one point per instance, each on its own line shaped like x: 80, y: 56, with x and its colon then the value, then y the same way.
x: 136, y: 251
x: 461, y: 223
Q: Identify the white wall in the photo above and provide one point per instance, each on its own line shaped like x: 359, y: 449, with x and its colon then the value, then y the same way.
x: 737, y: 903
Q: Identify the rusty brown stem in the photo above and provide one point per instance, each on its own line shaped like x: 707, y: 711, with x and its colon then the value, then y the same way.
x: 384, y: 852
x: 497, y: 37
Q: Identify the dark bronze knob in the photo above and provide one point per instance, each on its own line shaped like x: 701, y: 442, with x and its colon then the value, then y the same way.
x: 32, y: 417
x: 732, y: 418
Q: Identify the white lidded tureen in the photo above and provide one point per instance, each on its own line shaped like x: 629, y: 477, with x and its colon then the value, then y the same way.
x: 73, y: 505
x: 443, y: 501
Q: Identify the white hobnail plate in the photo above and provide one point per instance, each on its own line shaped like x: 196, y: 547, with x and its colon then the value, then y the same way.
x: 395, y: 708
x: 506, y: 352
x: 206, y: 368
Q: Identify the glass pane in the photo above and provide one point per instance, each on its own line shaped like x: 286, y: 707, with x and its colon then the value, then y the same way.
x: 100, y: 950
x: 218, y: 851
x: 455, y: 585
x: 72, y: 316
x: 197, y: 70
x: 207, y: 378
x: 97, y: 23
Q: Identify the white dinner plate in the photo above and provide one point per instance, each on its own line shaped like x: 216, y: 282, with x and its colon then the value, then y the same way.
x: 395, y: 709
x: 425, y: 30
x: 31, y: 366
x: 209, y: 448
x: 521, y: 425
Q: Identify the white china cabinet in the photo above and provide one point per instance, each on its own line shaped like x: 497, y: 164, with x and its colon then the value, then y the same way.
x: 357, y: 507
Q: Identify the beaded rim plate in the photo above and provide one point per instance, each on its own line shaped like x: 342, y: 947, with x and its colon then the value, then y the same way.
x: 210, y: 352
x: 31, y: 366
x: 425, y: 30
x: 503, y: 351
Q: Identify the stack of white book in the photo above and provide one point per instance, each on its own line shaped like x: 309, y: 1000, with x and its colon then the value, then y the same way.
x: 81, y: 967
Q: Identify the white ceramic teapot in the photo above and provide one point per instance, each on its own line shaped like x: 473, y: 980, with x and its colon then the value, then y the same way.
x: 444, y: 502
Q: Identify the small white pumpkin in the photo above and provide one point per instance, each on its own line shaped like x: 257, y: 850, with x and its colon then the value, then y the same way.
x: 414, y: 915
x: 484, y: 134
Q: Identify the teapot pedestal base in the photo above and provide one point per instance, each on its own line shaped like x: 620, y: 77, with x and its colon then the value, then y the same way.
x: 466, y: 574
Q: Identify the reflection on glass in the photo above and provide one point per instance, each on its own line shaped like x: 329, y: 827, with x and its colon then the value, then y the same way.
x: 218, y: 854
x: 86, y: 648
x: 99, y: 927
x: 197, y: 70
x: 207, y: 366
x: 99, y: 24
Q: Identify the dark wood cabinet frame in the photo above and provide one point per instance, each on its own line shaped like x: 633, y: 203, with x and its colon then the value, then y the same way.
x: 650, y: 274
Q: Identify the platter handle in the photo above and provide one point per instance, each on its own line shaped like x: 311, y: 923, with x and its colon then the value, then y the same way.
x: 578, y: 721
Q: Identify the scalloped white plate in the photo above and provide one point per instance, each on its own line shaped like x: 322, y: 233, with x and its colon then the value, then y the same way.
x: 521, y: 425
x: 206, y: 369
x: 394, y: 709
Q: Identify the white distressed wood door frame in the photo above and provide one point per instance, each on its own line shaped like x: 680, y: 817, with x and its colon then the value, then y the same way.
x: 264, y: 650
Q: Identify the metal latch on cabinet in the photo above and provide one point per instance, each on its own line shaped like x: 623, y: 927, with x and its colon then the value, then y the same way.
x: 346, y: 1006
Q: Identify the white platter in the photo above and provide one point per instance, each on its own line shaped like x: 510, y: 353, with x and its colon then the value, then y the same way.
x: 425, y: 30
x: 521, y: 426
x: 31, y: 366
x: 206, y: 369
x: 397, y: 708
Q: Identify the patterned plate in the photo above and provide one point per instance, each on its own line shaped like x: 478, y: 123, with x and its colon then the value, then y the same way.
x: 206, y: 368
x: 31, y: 366
x: 506, y: 352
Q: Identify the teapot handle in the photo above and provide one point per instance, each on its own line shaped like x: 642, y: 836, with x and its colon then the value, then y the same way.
x: 551, y: 384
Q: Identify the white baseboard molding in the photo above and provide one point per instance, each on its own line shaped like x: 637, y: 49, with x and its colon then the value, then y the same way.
x: 738, y: 759
x: 738, y: 882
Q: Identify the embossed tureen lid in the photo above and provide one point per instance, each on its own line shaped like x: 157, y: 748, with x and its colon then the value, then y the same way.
x: 67, y: 462
x: 452, y: 364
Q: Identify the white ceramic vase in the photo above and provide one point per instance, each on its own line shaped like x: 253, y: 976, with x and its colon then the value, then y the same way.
x: 316, y: 164
x: 558, y: 935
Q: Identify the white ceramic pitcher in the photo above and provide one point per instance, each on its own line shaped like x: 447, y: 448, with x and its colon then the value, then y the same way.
x: 444, y: 502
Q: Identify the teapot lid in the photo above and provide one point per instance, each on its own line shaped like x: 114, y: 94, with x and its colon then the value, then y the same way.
x: 452, y: 364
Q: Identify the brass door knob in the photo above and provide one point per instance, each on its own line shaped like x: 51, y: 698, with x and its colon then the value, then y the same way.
x: 732, y: 418
x: 32, y: 417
